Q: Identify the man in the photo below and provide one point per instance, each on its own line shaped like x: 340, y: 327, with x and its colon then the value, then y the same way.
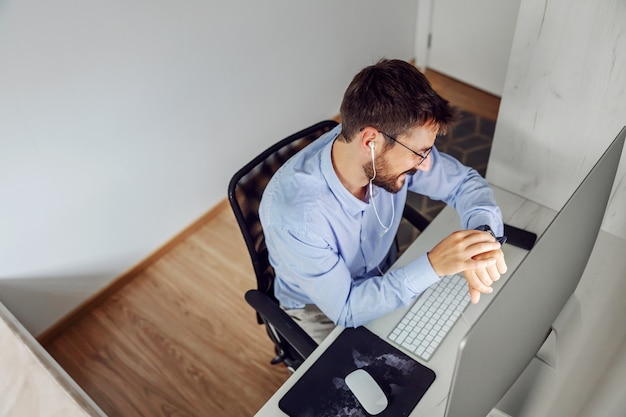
x: 330, y: 213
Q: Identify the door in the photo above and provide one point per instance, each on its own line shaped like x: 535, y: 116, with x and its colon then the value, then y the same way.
x: 469, y: 40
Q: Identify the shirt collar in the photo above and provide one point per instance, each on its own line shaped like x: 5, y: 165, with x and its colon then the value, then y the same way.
x: 352, y: 204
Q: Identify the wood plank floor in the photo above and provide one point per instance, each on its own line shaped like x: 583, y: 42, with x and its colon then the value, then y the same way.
x: 464, y: 96
x: 179, y: 340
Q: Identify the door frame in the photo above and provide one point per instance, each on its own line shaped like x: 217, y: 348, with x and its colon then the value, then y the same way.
x: 423, y: 26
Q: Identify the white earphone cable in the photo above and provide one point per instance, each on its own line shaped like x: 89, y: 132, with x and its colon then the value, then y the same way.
x: 385, y: 228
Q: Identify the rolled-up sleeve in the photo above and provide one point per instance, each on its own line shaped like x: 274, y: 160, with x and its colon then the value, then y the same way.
x: 460, y: 187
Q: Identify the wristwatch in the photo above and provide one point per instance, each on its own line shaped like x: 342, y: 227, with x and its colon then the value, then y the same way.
x: 486, y: 228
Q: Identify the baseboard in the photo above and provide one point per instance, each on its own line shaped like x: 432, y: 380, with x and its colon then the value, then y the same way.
x: 47, y: 336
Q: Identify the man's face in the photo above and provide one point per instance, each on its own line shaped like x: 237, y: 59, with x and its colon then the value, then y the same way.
x: 401, y: 159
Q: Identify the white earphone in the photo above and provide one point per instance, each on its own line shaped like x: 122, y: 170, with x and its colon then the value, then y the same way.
x: 372, y: 145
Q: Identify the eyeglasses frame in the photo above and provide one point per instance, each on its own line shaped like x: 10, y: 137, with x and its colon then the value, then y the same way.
x: 424, y: 157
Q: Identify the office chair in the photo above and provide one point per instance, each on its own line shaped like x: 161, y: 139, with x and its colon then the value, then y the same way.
x: 292, y: 344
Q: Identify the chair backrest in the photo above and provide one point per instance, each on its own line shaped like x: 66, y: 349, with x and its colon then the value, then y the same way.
x: 246, y: 189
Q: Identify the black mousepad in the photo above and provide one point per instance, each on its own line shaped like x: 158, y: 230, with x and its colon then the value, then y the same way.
x: 322, y: 391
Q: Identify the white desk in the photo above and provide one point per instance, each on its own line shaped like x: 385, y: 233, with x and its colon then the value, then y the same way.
x: 516, y: 211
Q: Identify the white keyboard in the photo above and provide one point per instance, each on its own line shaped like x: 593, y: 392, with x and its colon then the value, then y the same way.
x: 431, y: 317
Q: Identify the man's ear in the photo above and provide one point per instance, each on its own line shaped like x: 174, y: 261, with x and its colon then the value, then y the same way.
x: 368, y: 137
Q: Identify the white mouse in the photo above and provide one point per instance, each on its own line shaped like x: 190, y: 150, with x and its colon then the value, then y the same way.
x: 367, y: 391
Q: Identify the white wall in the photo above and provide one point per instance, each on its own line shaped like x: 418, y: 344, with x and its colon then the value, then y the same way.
x: 121, y: 122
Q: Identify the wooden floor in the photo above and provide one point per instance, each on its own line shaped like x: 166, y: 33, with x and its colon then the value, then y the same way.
x: 179, y: 339
x: 464, y: 96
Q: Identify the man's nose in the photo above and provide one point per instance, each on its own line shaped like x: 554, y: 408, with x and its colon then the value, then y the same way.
x: 425, y: 165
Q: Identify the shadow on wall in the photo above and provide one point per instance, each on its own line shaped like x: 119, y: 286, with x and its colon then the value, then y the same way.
x: 40, y: 302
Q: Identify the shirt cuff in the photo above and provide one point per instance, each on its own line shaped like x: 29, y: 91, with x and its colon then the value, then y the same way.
x: 420, y: 274
x: 495, y: 224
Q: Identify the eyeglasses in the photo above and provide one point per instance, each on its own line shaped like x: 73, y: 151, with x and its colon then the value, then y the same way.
x: 423, y: 157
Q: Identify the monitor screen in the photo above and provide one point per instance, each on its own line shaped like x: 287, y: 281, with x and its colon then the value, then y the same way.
x: 508, y: 334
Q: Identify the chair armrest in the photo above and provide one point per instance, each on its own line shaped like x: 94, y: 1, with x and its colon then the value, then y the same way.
x: 415, y: 218
x: 282, y: 322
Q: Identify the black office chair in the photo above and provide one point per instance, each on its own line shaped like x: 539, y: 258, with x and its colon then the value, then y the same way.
x: 292, y: 344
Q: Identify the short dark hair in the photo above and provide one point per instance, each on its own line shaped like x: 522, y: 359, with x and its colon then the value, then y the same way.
x: 392, y: 96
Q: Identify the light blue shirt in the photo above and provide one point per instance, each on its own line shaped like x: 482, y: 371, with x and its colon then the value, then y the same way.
x: 326, y: 245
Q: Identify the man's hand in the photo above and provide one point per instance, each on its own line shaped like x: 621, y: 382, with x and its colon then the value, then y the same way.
x: 475, y: 253
x: 479, y: 278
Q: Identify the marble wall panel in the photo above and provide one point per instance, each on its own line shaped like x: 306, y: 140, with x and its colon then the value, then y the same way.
x: 564, y: 101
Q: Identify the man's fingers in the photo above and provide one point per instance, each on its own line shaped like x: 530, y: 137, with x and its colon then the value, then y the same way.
x: 480, y: 263
x: 501, y: 265
x: 497, y: 269
x: 482, y: 247
x: 494, y: 273
x: 466, y: 250
x: 476, y: 283
x: 476, y: 236
x: 484, y: 276
x: 474, y: 295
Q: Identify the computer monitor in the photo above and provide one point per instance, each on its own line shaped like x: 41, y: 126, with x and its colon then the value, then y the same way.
x: 508, y: 334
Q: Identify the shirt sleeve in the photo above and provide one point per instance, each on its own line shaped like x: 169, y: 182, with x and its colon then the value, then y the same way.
x: 460, y: 187
x: 307, y: 264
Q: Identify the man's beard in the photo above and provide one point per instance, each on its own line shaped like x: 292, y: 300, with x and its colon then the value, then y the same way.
x: 385, y: 179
